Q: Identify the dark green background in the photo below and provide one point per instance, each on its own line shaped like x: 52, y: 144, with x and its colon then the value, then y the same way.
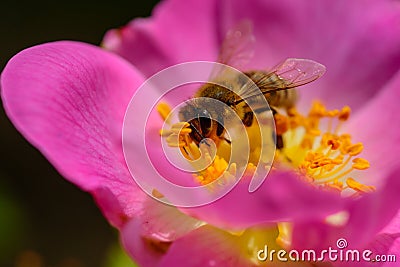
x: 40, y: 212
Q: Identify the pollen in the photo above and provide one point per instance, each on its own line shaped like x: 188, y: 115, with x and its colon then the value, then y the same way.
x: 164, y: 110
x: 325, y: 159
x: 213, y: 172
x: 361, y: 188
x: 177, y: 135
x: 314, y: 147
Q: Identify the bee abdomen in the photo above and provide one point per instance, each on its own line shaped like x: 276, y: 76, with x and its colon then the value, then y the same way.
x: 282, y: 99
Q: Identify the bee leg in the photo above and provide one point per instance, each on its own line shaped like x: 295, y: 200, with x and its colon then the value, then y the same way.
x: 248, y: 118
x: 196, y: 134
x: 279, y: 142
x: 227, y: 140
x: 187, y: 153
x: 279, y: 138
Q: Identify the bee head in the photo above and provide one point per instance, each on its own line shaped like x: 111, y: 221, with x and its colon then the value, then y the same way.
x: 201, y: 122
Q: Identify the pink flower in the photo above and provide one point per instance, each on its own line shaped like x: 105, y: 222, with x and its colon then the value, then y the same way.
x: 69, y: 100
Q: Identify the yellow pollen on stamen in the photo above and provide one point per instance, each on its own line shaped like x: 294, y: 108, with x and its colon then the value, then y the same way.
x: 354, y: 150
x: 360, y: 164
x: 334, y: 144
x: 344, y: 114
x: 361, y: 188
x: 164, y: 110
x: 214, y: 171
x: 323, y: 158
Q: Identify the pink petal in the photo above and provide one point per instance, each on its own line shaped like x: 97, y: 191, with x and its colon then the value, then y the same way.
x: 394, y: 225
x: 393, y: 231
x: 68, y: 99
x: 165, y: 222
x: 386, y: 244
x: 377, y: 126
x: 380, y: 246
x: 206, y: 246
x: 146, y: 252
x: 281, y: 197
x: 178, y: 31
x: 148, y: 236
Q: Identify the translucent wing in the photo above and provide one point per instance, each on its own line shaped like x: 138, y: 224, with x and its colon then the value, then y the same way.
x: 296, y: 72
x: 293, y: 72
x: 237, y: 48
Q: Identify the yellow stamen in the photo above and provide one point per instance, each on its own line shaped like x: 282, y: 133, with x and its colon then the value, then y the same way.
x: 334, y: 144
x: 354, y: 150
x: 353, y: 184
x: 323, y: 158
x: 213, y: 172
x: 180, y: 125
x: 164, y: 110
x: 360, y: 164
x: 323, y: 164
x: 344, y: 114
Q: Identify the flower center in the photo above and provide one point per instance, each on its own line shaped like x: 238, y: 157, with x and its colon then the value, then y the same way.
x: 327, y: 159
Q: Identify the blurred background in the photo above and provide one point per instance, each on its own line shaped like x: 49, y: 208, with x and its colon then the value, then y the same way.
x: 44, y: 220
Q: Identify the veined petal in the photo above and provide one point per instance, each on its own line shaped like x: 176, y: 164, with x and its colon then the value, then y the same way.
x: 68, y: 99
x: 377, y: 125
x: 146, y: 252
x: 148, y: 236
x: 165, y: 222
x: 392, y: 232
x: 208, y: 246
x: 178, y: 31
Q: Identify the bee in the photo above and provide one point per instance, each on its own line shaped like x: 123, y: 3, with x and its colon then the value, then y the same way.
x: 237, y: 93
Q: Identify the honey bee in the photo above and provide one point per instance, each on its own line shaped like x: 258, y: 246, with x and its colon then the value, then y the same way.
x: 238, y: 93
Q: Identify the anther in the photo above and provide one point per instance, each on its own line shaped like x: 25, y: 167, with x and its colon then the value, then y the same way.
x: 344, y: 114
x: 353, y: 184
x: 360, y: 164
x: 164, y: 110
x: 354, y: 150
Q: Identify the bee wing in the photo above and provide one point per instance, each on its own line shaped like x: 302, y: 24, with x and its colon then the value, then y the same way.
x: 236, y: 50
x: 291, y: 73
x: 238, y: 46
x: 296, y: 71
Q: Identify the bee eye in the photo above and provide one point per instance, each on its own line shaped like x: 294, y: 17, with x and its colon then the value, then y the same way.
x: 205, y: 122
x: 220, y: 129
